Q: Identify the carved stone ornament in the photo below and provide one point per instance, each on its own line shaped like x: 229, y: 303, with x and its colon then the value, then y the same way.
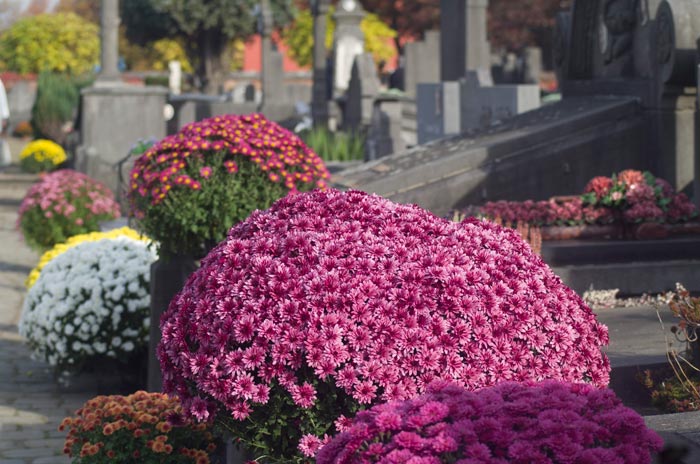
x: 664, y: 36
x: 619, y: 21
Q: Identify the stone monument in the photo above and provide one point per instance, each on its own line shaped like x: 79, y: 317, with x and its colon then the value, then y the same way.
x: 644, y: 49
x: 319, y: 93
x: 115, y: 115
x: 466, y: 98
x: 272, y: 72
x: 348, y: 43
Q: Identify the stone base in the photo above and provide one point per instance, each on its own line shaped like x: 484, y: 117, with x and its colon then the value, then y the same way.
x: 633, y: 278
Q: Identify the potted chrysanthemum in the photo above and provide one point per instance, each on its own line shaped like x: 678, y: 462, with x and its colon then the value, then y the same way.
x: 330, y: 302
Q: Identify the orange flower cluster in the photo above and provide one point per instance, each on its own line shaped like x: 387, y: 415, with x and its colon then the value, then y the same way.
x: 145, y: 426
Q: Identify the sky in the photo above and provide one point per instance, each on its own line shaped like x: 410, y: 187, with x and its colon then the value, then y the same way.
x: 22, y: 4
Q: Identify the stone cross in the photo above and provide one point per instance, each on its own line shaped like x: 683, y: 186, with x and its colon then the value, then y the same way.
x: 319, y: 95
x: 464, y: 46
x: 267, y: 74
x: 109, y: 32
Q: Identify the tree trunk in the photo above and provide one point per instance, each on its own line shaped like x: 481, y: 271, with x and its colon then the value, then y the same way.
x: 213, y: 60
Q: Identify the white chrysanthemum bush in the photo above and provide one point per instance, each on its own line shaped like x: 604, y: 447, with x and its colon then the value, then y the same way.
x: 90, y: 303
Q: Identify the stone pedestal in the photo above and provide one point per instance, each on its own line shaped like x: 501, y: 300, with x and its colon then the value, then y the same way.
x: 167, y: 279
x: 348, y: 43
x: 319, y: 98
x: 113, y: 118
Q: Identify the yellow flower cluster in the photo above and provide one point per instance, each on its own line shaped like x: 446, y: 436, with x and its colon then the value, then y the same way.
x: 44, y: 150
x: 75, y: 240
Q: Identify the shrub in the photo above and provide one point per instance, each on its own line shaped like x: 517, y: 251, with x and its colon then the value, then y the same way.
x: 329, y: 302
x: 55, y: 106
x: 75, y: 240
x: 42, y: 156
x: 61, y: 42
x: 190, y: 188
x: 142, y: 427
x: 62, y: 204
x: 89, y: 304
x: 551, y: 422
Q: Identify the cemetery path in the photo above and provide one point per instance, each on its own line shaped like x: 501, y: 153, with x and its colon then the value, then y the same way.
x: 32, y: 404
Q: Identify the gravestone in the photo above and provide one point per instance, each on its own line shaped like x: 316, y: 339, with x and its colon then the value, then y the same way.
x: 625, y: 106
x: 363, y: 87
x: 385, y: 134
x: 532, y: 65
x: 348, y: 43
x: 464, y: 45
x: 645, y: 50
x: 422, y: 62
x: 466, y: 98
x: 438, y: 110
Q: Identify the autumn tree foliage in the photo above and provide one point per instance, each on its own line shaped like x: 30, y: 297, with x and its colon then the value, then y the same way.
x: 512, y: 24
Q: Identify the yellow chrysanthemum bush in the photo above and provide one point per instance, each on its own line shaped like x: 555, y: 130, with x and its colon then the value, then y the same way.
x: 75, y: 240
x: 42, y: 155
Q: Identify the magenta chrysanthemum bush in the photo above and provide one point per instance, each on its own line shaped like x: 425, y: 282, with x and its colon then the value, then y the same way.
x: 329, y: 302
x: 63, y: 204
x: 547, y: 423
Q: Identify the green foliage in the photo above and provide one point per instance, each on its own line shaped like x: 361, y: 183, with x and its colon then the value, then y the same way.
x: 187, y: 218
x: 61, y: 42
x: 56, y: 103
x: 335, y: 146
x: 267, y: 430
x: 298, y: 36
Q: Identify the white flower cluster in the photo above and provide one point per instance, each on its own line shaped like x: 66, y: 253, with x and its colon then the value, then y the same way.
x: 91, y: 301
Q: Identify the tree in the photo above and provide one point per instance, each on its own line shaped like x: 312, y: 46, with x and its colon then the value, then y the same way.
x: 88, y: 9
x: 513, y: 26
x: 409, y: 18
x: 62, y: 42
x: 208, y: 29
x: 298, y: 36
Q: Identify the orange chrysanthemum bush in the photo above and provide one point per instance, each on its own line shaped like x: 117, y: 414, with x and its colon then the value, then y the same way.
x: 142, y: 427
x: 190, y: 188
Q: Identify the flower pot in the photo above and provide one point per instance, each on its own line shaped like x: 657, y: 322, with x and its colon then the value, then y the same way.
x: 168, y: 276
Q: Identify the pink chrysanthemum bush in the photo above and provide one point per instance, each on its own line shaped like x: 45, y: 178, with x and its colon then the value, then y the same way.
x: 546, y: 423
x: 330, y: 302
x: 63, y: 204
x: 630, y: 197
x: 190, y: 188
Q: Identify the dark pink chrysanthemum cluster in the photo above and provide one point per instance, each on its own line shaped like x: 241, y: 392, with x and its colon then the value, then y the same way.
x: 374, y: 298
x: 275, y: 150
x: 551, y: 422
x: 547, y: 213
x: 631, y: 196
